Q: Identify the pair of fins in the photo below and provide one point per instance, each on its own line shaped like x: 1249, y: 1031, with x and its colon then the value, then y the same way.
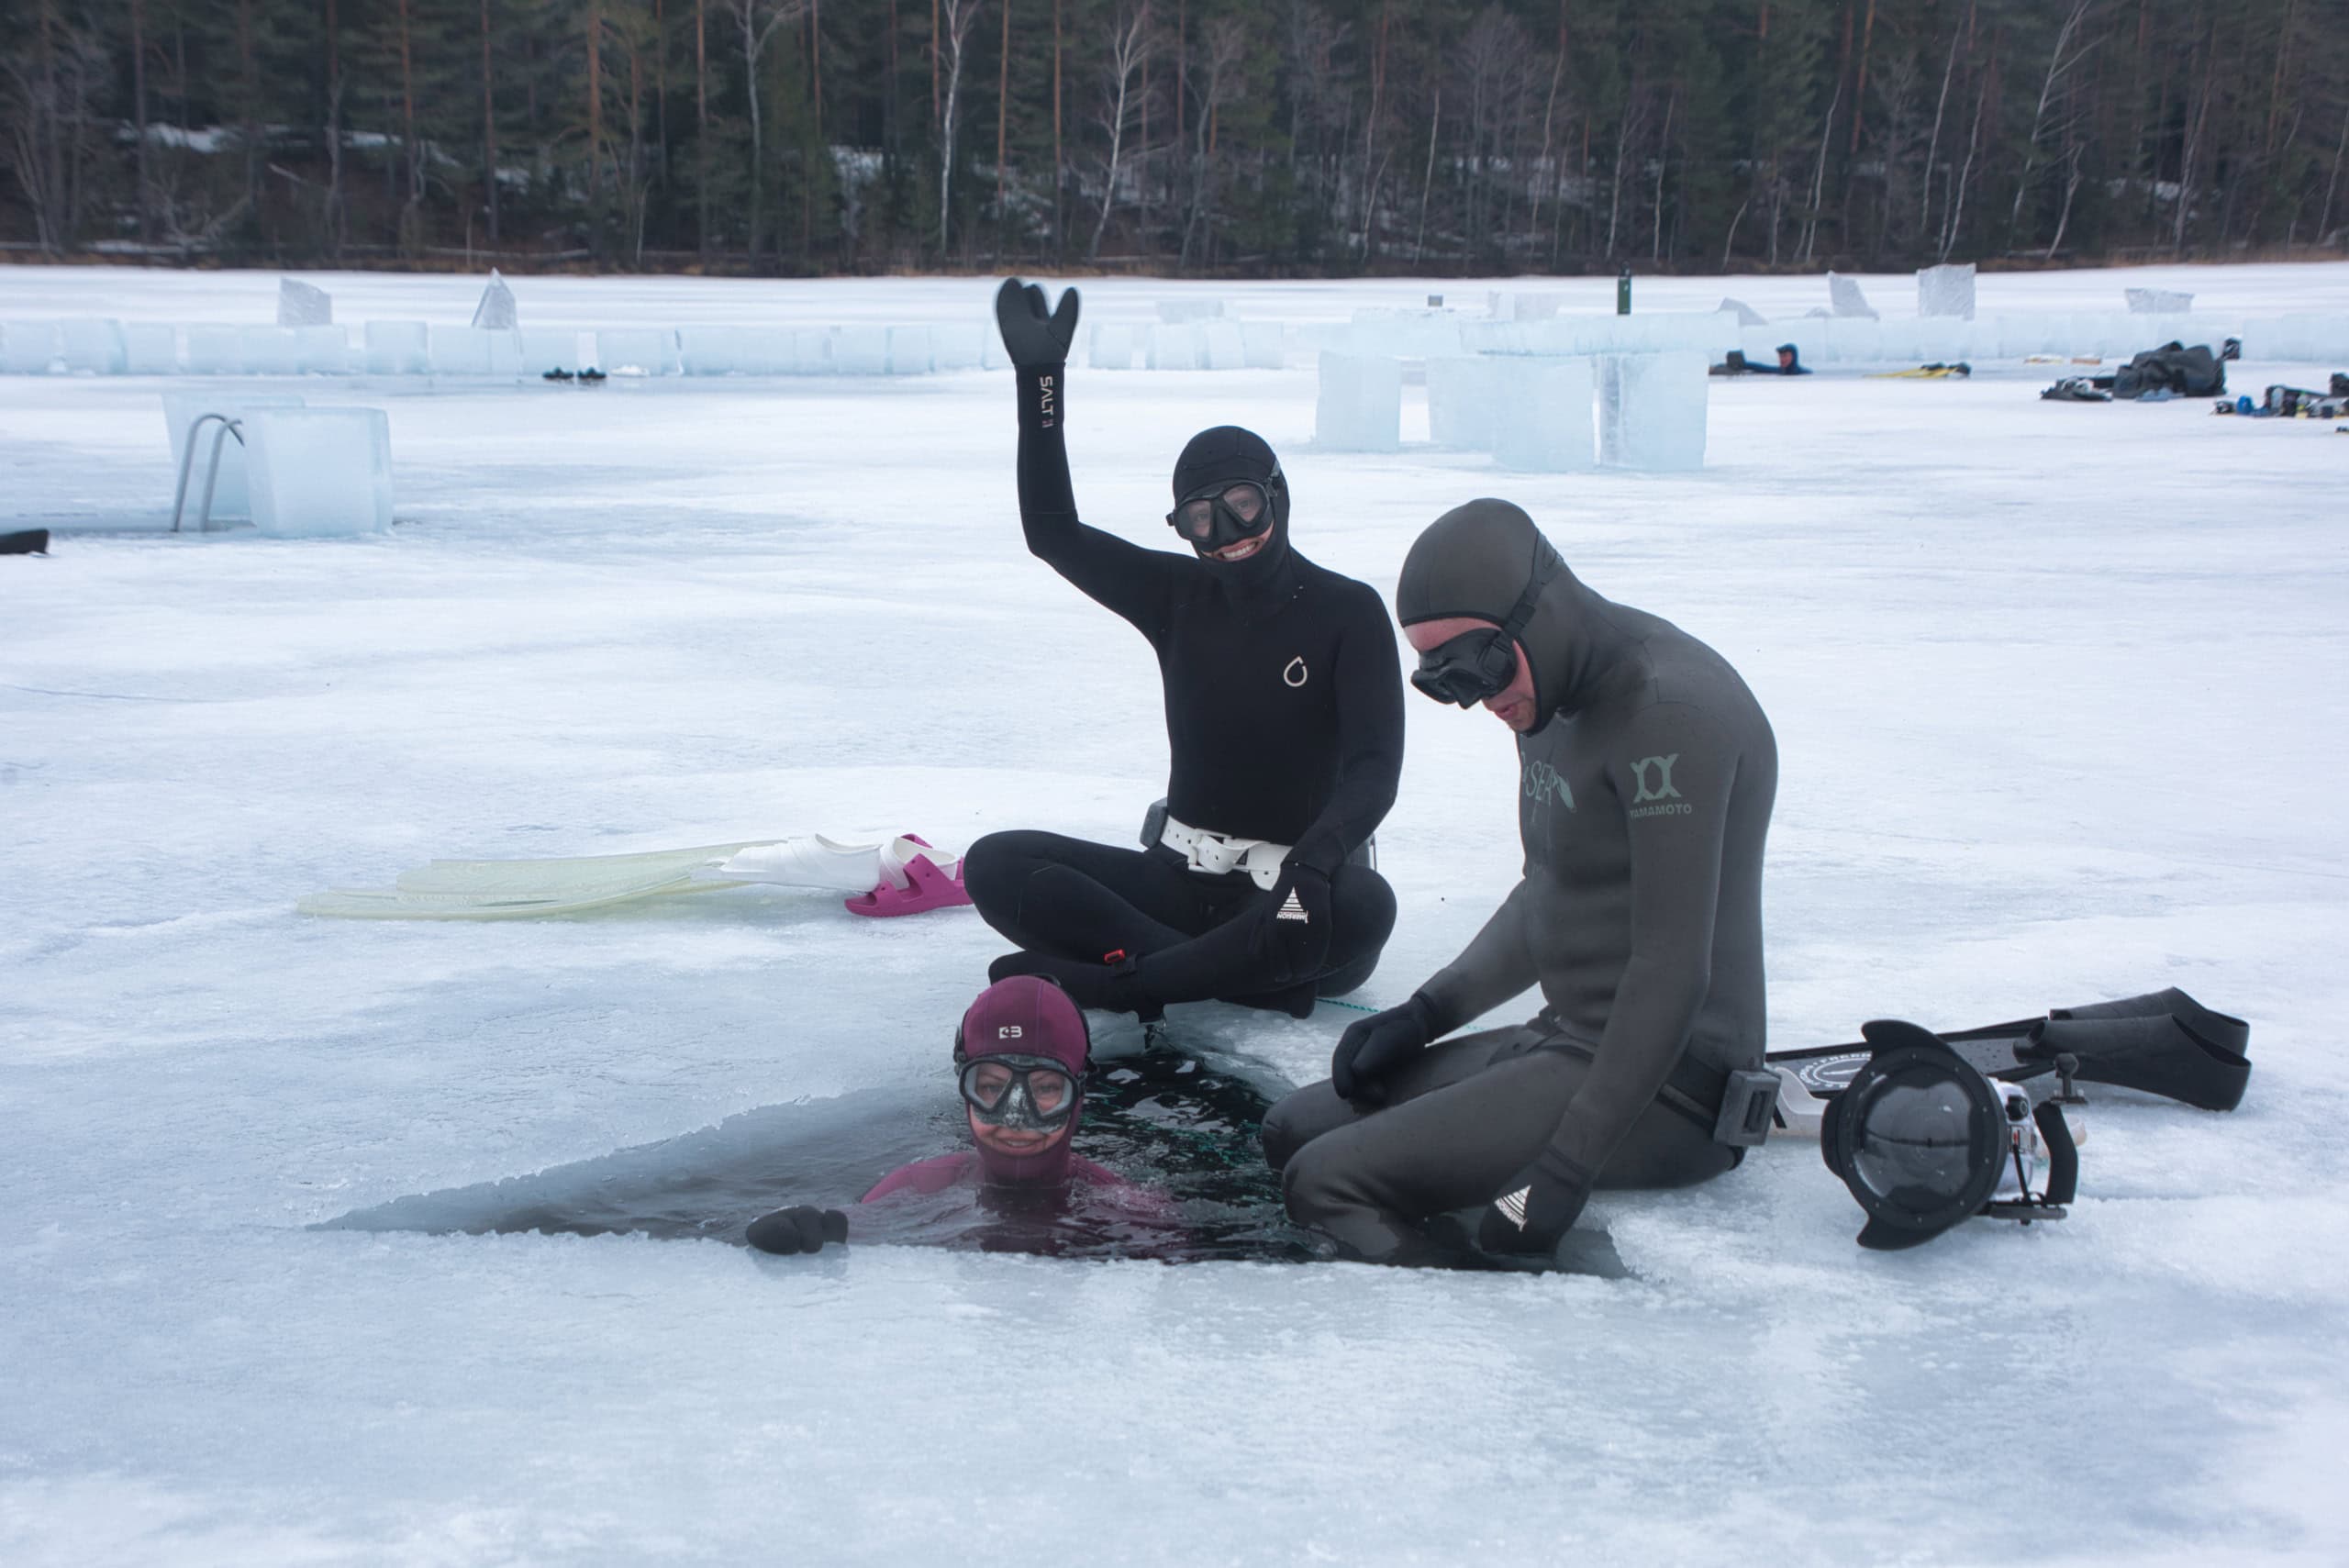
x: 2164, y: 1043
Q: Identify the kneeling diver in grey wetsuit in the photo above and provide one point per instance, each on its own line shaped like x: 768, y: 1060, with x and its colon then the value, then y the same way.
x: 1646, y: 772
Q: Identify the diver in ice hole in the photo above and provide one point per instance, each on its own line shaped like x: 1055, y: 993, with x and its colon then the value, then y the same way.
x: 1646, y: 774
x: 1020, y: 1056
x: 1283, y: 720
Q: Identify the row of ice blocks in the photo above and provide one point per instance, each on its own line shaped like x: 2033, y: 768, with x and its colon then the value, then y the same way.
x: 298, y: 471
x: 1213, y: 344
x: 1532, y: 413
x: 415, y: 347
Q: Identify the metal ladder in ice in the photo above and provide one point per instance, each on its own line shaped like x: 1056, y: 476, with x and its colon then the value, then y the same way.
x: 229, y: 426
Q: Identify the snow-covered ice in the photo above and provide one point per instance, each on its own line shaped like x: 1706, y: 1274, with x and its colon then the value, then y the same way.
x: 2058, y: 694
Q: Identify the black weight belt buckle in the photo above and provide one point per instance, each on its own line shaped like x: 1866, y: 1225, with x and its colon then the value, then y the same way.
x: 1749, y: 1099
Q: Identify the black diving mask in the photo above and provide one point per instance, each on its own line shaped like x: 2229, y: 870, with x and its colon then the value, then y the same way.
x: 1222, y: 514
x: 1480, y: 663
x: 1924, y: 1141
x: 1020, y: 1094
x: 1469, y: 668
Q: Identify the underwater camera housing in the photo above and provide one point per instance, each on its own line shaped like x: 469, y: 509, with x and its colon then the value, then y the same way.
x: 1923, y: 1140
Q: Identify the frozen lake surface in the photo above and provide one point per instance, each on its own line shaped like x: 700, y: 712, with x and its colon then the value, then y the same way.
x: 2060, y: 697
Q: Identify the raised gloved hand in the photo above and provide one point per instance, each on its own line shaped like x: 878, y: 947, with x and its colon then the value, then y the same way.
x: 1293, y: 925
x: 1372, y: 1048
x: 799, y: 1228
x: 1537, y: 1209
x: 1033, y: 336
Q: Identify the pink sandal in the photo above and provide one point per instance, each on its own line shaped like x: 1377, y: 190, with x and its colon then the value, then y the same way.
x: 927, y: 887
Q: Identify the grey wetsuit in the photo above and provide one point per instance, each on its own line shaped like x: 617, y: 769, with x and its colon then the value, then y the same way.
x: 1643, y: 803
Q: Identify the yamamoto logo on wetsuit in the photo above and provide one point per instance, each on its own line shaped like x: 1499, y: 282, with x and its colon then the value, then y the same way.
x: 1544, y: 781
x: 1295, y: 674
x: 1652, y: 777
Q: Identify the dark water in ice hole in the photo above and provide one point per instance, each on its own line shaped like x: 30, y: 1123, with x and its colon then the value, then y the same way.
x: 1165, y: 1120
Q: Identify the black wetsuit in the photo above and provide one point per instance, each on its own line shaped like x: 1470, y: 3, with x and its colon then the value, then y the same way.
x: 1284, y: 723
x: 1644, y: 803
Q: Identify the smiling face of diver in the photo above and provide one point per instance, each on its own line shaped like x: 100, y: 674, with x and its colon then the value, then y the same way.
x: 1231, y: 502
x: 1226, y: 521
x: 1019, y: 1063
x: 1018, y: 1104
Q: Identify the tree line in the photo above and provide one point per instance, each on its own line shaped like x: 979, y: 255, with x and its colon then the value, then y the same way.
x: 1304, y: 137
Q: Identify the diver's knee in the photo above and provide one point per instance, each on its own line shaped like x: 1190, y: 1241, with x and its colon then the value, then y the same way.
x: 994, y: 868
x: 1313, y: 1185
x: 1281, y: 1134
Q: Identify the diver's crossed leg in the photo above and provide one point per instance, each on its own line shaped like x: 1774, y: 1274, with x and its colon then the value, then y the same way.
x: 1135, y: 930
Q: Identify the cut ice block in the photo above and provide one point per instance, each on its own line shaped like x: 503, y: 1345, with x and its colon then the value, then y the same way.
x: 94, y: 347
x: 2307, y: 336
x: 957, y: 347
x: 273, y: 351
x: 811, y: 350
x: 910, y: 350
x: 1944, y: 339
x: 302, y: 305
x: 321, y: 472
x: 323, y: 351
x: 1853, y: 341
x: 1112, y: 348
x: 1223, y: 347
x: 1409, y: 334
x: 461, y: 351
x: 1264, y: 344
x: 2158, y: 302
x: 756, y: 351
x: 397, y: 348
x: 1946, y: 291
x: 151, y: 348
x: 637, y: 350
x: 216, y: 350
x: 230, y: 497
x: 1509, y: 304
x: 1746, y: 314
x: 1651, y: 411
x: 1541, y: 419
x: 1844, y: 297
x: 27, y: 347
x: 1174, y: 347
x: 1358, y: 406
x: 707, y: 350
x: 860, y: 350
x: 548, y: 348
x: 1465, y: 402
x: 1190, y: 308
x: 1900, y: 340
x: 495, y: 312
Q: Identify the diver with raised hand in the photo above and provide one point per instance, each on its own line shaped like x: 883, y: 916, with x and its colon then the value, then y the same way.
x: 1284, y: 722
x: 1647, y: 772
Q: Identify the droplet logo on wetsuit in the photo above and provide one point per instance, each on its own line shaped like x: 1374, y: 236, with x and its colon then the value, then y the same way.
x: 1295, y: 675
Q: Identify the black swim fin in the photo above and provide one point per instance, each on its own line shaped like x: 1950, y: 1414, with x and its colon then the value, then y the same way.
x: 2164, y: 1043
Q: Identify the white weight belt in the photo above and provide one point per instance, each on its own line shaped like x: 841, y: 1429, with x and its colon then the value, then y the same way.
x: 1220, y: 853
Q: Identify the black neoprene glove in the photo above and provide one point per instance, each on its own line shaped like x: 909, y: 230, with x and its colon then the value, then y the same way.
x: 1372, y: 1048
x: 1034, y: 338
x: 1537, y: 1209
x: 1293, y: 926
x: 800, y: 1228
